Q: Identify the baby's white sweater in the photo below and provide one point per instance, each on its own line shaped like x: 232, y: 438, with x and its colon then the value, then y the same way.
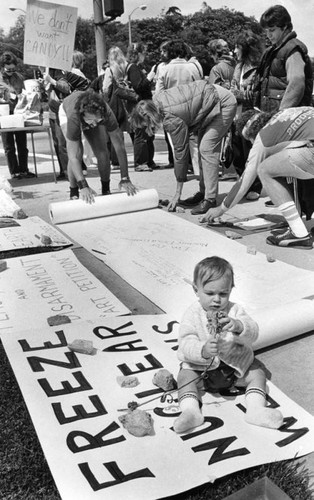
x: 193, y: 335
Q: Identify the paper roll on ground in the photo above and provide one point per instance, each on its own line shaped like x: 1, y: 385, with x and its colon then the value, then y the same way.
x: 76, y: 210
x: 284, y: 322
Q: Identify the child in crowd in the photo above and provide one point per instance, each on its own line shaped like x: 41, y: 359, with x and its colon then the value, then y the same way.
x: 216, y: 335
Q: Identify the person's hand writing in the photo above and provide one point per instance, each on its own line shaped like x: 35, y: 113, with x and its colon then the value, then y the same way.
x: 210, y: 348
x: 126, y: 185
x: 211, y: 215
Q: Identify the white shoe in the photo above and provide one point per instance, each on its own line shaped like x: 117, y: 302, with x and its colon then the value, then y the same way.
x: 252, y: 196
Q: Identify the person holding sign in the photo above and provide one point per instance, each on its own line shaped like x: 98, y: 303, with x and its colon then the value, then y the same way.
x: 283, y: 146
x: 88, y: 113
x: 215, y: 350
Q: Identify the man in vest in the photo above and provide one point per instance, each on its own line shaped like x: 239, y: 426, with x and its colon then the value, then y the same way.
x: 285, y: 72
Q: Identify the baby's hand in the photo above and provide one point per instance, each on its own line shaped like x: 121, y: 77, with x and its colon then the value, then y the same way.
x: 210, y: 348
x: 231, y: 325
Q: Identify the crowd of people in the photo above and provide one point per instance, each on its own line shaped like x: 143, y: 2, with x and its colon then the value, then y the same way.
x: 270, y: 88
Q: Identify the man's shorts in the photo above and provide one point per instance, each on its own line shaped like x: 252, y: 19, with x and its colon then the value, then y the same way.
x: 222, y: 377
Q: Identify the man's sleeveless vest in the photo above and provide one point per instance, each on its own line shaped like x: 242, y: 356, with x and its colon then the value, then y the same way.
x: 273, y: 77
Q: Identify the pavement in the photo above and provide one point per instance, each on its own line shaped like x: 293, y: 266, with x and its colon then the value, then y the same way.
x: 288, y: 362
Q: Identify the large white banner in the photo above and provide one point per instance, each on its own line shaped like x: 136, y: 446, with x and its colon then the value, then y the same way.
x: 37, y: 289
x: 160, y: 251
x: 31, y: 233
x: 49, y: 34
x: 75, y: 400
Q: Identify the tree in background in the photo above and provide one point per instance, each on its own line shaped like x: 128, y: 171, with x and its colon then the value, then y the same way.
x: 195, y: 29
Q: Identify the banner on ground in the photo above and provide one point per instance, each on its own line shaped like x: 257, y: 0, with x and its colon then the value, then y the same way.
x: 160, y: 251
x: 35, y: 290
x: 32, y: 233
x: 75, y: 400
x: 49, y: 34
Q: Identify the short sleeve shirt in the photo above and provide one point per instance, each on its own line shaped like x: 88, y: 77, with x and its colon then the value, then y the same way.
x: 75, y: 127
x: 291, y: 124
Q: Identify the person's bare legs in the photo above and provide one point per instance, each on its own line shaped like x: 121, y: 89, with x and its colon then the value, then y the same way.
x: 191, y: 415
x: 255, y: 400
x: 273, y: 172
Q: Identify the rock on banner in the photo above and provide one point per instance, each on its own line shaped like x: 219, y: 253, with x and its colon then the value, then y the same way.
x: 74, y: 401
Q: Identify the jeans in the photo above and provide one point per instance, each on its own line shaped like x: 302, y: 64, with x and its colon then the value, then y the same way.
x: 143, y: 145
x: 17, y: 164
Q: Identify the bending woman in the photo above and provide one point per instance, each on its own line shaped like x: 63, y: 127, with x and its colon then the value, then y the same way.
x: 200, y: 108
x: 283, y: 147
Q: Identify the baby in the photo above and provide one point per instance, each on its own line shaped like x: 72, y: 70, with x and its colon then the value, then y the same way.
x: 217, y: 335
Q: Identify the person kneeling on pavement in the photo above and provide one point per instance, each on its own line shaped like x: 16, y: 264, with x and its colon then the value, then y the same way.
x: 88, y: 113
x: 283, y: 146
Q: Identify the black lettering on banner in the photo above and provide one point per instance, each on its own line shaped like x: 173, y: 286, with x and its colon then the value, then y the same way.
x: 295, y: 433
x: 168, y: 330
x: 129, y: 346
x: 116, y: 472
x: 80, y: 412
x: 47, y: 345
x: 173, y: 341
x: 220, y: 445
x: 214, y: 422
x: 114, y: 332
x: 94, y: 441
x: 141, y: 368
x: 271, y: 403
x: 36, y: 362
x: 67, y: 387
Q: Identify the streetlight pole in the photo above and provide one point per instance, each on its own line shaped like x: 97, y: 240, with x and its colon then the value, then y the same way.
x: 142, y: 7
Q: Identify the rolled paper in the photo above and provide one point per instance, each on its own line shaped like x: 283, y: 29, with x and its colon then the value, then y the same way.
x: 284, y: 322
x: 119, y: 203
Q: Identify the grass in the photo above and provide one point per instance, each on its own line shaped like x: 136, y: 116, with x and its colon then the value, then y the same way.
x: 25, y: 475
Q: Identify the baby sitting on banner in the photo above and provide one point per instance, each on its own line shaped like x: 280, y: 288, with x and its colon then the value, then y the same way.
x: 215, y: 350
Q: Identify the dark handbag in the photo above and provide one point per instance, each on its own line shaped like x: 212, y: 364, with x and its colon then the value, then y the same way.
x: 125, y: 91
x: 116, y: 103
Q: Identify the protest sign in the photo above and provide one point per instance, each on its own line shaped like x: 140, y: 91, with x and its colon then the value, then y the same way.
x: 49, y: 34
x: 35, y: 288
x: 29, y: 235
x: 75, y: 400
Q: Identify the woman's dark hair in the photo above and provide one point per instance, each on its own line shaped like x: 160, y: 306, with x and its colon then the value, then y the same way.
x: 261, y: 119
x: 8, y: 58
x: 252, y: 46
x: 92, y: 102
x: 276, y: 16
x: 177, y: 48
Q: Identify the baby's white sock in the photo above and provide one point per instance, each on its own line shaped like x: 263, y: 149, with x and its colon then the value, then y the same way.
x: 256, y: 411
x: 191, y: 415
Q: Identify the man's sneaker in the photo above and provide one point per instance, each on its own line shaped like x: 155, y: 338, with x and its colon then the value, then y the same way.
x: 192, y: 201
x: 289, y: 240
